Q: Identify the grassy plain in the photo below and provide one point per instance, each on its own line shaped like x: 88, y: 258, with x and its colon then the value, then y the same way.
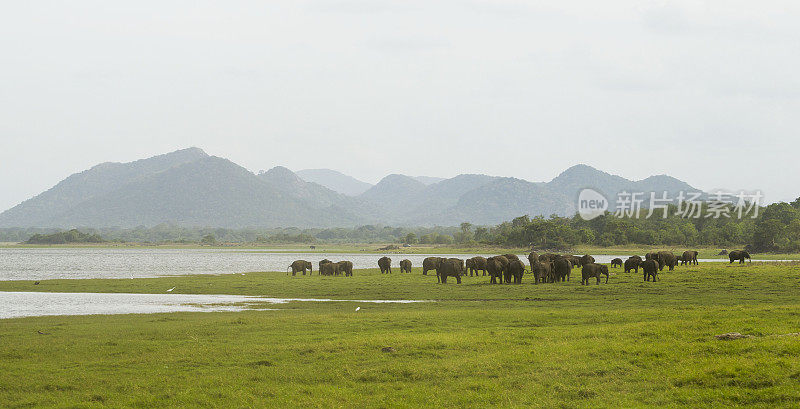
x: 623, y: 344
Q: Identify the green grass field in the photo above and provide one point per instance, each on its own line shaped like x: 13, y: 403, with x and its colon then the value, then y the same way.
x: 623, y: 344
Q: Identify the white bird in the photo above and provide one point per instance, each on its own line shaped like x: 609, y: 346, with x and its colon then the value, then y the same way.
x: 358, y: 308
x: 170, y: 290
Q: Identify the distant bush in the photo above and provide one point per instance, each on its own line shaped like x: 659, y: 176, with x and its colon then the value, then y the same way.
x: 65, y: 237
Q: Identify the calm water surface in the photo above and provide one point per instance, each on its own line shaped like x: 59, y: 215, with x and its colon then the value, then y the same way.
x: 33, y: 304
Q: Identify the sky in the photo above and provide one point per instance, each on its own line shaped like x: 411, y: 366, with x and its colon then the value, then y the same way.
x: 705, y: 91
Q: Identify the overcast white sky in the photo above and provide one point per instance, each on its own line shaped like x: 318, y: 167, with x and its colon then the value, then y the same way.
x: 706, y: 91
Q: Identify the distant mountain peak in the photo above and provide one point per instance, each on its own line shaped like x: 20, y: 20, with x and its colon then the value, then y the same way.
x: 428, y: 180
x: 334, y: 180
x: 281, y: 174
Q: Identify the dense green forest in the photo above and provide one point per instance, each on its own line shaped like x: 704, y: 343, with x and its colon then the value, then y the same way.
x: 776, y: 228
x: 64, y: 237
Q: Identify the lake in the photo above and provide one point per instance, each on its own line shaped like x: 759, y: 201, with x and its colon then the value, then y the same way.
x: 33, y: 304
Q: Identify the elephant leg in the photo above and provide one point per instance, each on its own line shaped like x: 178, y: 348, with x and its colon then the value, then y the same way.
x: 458, y: 279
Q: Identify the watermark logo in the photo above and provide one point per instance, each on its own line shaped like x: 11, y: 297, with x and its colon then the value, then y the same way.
x: 687, y: 205
x: 591, y: 204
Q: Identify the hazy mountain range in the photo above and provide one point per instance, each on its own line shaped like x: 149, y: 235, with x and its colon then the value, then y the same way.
x: 191, y: 188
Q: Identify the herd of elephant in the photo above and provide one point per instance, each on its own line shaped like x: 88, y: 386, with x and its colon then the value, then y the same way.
x: 508, y: 268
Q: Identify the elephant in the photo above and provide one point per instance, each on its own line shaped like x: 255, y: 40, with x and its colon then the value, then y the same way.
x: 562, y: 269
x: 689, y: 257
x: 346, y: 268
x: 574, y: 260
x: 542, y: 272
x: 461, y: 263
x: 739, y: 255
x: 586, y: 259
x: 666, y: 258
x: 451, y: 267
x: 532, y: 258
x: 321, y: 262
x: 405, y: 266
x: 593, y: 270
x: 430, y: 263
x: 478, y: 264
x: 496, y: 266
x: 329, y: 268
x: 632, y: 263
x: 650, y: 269
x: 469, y: 264
x: 617, y: 262
x: 514, y: 271
x: 651, y: 255
x: 547, y: 257
x: 300, y: 265
x: 385, y: 264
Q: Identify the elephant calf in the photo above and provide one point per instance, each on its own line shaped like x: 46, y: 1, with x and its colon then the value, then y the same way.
x: 405, y: 266
x: 593, y: 270
x: 617, y: 262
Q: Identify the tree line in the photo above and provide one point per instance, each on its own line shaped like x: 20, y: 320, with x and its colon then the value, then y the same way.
x: 776, y: 228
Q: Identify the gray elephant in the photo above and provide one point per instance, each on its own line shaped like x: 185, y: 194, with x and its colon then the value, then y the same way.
x: 632, y: 263
x: 650, y: 268
x: 346, y: 268
x: 385, y: 264
x: 328, y: 268
x: 593, y: 270
x: 532, y: 259
x: 430, y: 263
x: 574, y: 260
x: 514, y: 271
x: 666, y: 259
x: 547, y: 257
x: 739, y: 255
x: 476, y: 264
x: 405, y: 266
x: 617, y: 262
x: 689, y: 257
x: 586, y: 259
x: 450, y: 268
x: 496, y: 266
x: 300, y: 265
x: 542, y: 272
x: 562, y: 269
